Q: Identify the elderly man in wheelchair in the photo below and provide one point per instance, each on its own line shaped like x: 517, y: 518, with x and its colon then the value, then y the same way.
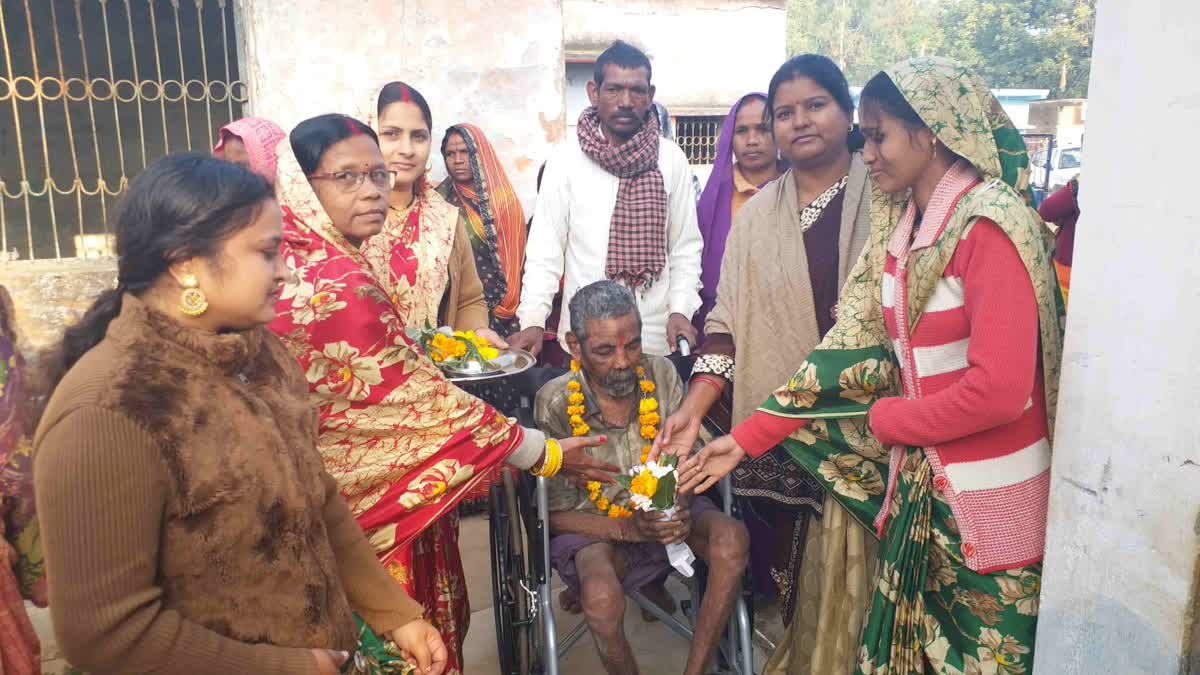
x: 598, y: 557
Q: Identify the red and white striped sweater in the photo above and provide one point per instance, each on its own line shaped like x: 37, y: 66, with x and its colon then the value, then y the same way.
x: 973, y: 392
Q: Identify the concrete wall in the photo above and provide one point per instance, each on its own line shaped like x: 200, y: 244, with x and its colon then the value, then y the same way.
x: 51, y: 294
x: 1121, y: 564
x: 705, y: 53
x: 497, y: 64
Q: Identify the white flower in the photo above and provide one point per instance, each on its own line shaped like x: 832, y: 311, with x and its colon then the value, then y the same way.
x: 659, y: 470
x: 641, y: 502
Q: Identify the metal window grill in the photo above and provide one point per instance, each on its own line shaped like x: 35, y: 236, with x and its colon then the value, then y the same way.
x: 91, y: 92
x: 698, y: 137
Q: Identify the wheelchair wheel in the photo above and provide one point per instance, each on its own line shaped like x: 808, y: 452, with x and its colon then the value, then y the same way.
x: 518, y: 635
x: 503, y: 598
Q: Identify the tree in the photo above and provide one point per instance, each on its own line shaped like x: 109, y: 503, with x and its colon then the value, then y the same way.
x: 862, y: 36
x: 1043, y: 44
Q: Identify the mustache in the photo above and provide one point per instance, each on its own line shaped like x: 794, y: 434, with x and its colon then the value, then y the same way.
x: 620, y: 382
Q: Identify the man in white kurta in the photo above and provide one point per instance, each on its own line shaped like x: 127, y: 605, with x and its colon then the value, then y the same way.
x: 570, y: 236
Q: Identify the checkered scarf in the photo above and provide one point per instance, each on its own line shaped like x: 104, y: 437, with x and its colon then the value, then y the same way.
x: 637, y: 237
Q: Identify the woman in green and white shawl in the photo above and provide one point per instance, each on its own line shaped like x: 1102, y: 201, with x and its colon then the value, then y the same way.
x: 927, y: 410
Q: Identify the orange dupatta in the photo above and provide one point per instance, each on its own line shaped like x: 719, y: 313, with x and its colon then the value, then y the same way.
x: 496, y: 217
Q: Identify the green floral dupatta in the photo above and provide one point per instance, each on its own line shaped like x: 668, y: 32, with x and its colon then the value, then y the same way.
x: 928, y: 607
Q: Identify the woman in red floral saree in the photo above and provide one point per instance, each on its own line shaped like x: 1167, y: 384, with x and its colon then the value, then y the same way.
x: 405, y: 444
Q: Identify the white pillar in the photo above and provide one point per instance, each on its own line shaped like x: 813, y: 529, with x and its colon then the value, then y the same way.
x: 495, y: 64
x: 1121, y: 571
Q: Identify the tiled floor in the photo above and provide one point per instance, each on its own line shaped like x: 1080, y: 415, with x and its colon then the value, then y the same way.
x: 658, y: 649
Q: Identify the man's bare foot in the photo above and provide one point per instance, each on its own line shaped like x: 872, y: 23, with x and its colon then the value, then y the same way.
x: 569, y: 602
x: 657, y: 593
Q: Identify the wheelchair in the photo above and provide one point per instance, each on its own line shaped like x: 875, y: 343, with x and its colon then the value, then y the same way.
x: 527, y: 633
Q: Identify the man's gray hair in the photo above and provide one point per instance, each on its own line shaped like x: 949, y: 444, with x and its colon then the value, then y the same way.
x: 598, y: 301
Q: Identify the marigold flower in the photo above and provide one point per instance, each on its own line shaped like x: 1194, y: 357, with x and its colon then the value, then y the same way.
x: 644, y: 484
x: 581, y: 430
x: 641, y: 372
x: 576, y: 420
x: 647, y: 387
x: 648, y: 405
x: 575, y: 410
x: 649, y: 432
x: 650, y: 419
x: 574, y: 366
x: 575, y: 398
x: 593, y: 486
x: 602, y: 504
x: 574, y: 385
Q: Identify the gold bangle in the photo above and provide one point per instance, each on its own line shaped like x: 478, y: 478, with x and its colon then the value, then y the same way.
x: 552, y: 464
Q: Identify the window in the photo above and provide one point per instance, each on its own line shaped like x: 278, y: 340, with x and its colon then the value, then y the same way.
x: 102, y: 89
x: 1069, y: 159
x: 698, y: 137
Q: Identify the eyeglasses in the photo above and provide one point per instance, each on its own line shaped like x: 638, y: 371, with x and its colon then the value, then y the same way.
x: 350, y: 181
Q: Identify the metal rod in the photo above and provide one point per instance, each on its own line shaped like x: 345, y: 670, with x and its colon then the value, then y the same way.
x: 112, y: 83
x: 576, y: 633
x: 17, y: 123
x: 745, y: 646
x: 543, y: 507
x: 62, y: 80
x: 225, y: 57
x: 162, y: 91
x: 87, y: 78
x: 49, y: 179
x: 204, y: 68
x: 137, y: 81
x: 183, y: 97
x: 683, y: 630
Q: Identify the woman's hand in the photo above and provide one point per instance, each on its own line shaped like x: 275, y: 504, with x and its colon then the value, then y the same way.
x: 678, y: 434
x: 421, y: 645
x: 493, y: 338
x: 579, y: 467
x: 703, y: 469
x: 329, y: 662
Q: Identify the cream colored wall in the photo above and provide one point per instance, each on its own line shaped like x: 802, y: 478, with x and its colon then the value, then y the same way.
x: 496, y: 64
x: 705, y: 53
x: 1120, y: 587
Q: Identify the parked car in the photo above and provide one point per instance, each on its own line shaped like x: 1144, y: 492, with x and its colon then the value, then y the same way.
x: 1064, y: 166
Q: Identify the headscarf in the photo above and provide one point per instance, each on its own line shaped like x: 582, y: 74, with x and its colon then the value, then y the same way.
x: 713, y: 211
x: 495, y: 216
x: 261, y: 138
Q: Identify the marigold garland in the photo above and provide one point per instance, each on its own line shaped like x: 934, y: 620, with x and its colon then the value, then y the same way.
x: 648, y: 418
x: 444, y: 347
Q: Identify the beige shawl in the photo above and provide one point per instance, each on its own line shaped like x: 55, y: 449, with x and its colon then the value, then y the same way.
x: 764, y: 298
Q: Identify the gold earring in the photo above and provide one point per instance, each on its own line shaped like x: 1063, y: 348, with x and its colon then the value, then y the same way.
x: 192, y: 301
